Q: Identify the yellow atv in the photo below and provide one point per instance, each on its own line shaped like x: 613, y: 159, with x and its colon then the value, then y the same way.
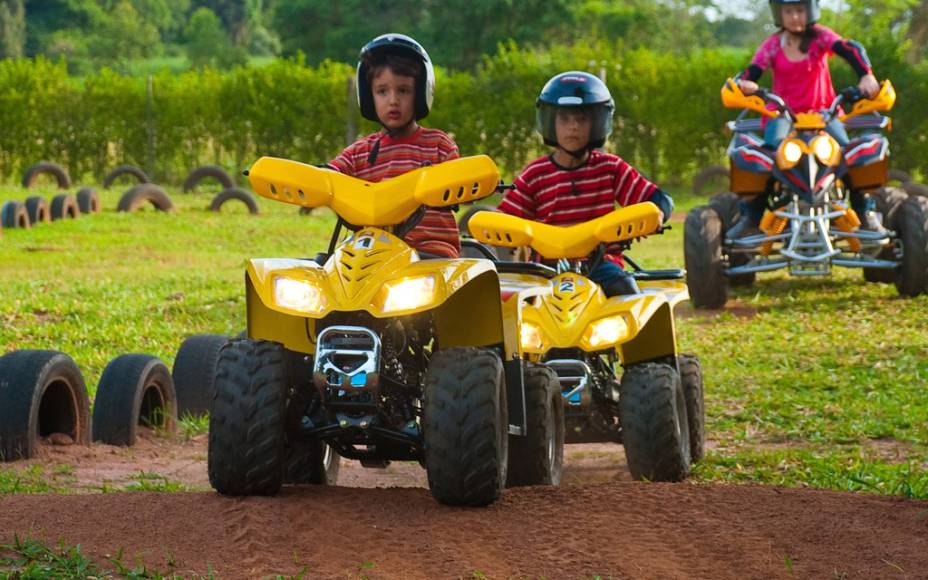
x: 656, y: 407
x: 371, y: 353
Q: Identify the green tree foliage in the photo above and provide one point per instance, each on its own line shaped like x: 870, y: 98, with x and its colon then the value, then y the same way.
x: 207, y: 43
x: 12, y: 28
x: 123, y: 35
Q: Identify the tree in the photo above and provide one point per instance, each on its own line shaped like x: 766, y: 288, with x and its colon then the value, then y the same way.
x: 12, y: 28
x: 123, y: 36
x: 207, y: 42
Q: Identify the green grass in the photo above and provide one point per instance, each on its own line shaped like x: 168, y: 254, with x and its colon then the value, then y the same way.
x: 824, y: 384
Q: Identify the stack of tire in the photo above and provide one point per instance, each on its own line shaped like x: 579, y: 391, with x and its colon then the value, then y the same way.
x: 45, y: 401
x: 228, y: 193
x: 35, y: 209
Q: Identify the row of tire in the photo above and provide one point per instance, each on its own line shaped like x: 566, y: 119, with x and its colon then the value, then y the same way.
x: 44, y: 399
x: 35, y: 209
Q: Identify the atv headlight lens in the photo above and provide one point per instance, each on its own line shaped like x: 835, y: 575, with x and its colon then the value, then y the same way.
x: 827, y: 150
x: 298, y: 295
x: 530, y: 337
x: 607, y: 331
x: 409, y: 293
x: 789, y: 153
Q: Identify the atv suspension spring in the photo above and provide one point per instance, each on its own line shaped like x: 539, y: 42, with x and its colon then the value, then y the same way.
x: 772, y: 225
x: 847, y: 223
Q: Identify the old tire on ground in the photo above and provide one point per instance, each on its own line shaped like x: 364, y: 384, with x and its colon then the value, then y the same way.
x: 42, y: 395
x: 912, y: 228
x: 64, y: 206
x: 899, y: 175
x: 466, y: 426
x: 88, y: 200
x: 913, y: 188
x: 144, y: 193
x: 246, y: 423
x: 705, y: 176
x: 234, y: 193
x: 38, y: 209
x: 135, y: 389
x: 15, y: 215
x: 57, y: 171
x: 691, y: 376
x: 537, y: 458
x: 194, y: 372
x: 652, y: 411
x: 139, y: 175
x: 702, y: 252
x: 214, y: 171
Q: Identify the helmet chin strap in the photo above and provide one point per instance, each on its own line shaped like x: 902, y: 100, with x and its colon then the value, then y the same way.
x: 375, y: 151
x: 578, y: 154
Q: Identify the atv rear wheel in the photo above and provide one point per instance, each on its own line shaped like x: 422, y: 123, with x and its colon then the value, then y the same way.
x: 537, y: 458
x: 466, y: 426
x: 246, y: 423
x: 702, y: 251
x: 655, y: 427
x: 691, y: 376
x: 314, y: 463
x: 729, y: 209
x: 912, y: 228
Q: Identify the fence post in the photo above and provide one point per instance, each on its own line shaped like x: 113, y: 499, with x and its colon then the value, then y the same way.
x: 351, y: 128
x: 150, y: 128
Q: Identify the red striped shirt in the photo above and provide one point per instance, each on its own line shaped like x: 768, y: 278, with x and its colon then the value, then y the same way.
x: 551, y: 194
x: 437, y: 232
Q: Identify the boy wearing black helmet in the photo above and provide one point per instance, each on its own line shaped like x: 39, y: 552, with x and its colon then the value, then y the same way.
x: 577, y: 182
x: 396, y: 83
x: 797, y: 56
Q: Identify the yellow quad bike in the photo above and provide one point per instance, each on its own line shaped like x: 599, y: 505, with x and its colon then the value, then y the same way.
x: 810, y: 226
x: 655, y: 408
x: 371, y: 353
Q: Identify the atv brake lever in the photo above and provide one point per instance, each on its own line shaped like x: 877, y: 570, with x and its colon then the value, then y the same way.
x: 505, y: 186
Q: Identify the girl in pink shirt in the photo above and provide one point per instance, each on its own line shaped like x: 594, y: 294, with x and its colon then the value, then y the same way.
x: 797, y: 55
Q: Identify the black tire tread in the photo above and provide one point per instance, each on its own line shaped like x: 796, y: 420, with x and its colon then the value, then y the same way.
x: 57, y: 171
x: 64, y: 206
x: 702, y: 250
x: 528, y: 454
x: 37, y: 208
x: 15, y: 215
x: 214, y: 171
x: 136, y: 197
x: 120, y: 170
x: 117, y: 405
x: 694, y: 393
x: 234, y: 193
x: 88, y: 200
x: 194, y: 372
x: 912, y: 227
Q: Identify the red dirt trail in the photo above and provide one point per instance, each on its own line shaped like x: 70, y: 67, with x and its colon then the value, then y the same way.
x: 597, y: 524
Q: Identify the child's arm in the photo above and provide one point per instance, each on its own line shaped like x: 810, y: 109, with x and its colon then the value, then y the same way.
x: 633, y: 188
x: 762, y: 60
x: 519, y: 201
x: 344, y: 162
x: 856, y: 55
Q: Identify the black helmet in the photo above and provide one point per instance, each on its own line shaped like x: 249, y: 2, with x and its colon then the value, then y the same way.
x: 399, y: 45
x: 575, y: 89
x: 812, y: 10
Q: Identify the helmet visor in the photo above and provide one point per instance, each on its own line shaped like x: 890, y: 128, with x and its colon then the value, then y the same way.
x: 599, y: 116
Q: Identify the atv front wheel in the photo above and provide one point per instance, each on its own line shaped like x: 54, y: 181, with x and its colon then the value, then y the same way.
x: 246, y: 423
x: 537, y: 458
x: 691, y: 376
x: 655, y: 427
x: 912, y: 227
x: 466, y: 426
x: 702, y: 251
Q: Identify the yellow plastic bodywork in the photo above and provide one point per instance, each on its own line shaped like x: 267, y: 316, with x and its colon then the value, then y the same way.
x: 386, y: 203
x: 882, y: 102
x: 466, y: 300
x: 556, y: 242
x: 734, y: 98
x: 572, y: 302
x: 809, y: 121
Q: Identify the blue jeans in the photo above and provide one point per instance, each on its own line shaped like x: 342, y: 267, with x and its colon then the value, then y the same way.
x: 778, y: 129
x: 613, y: 279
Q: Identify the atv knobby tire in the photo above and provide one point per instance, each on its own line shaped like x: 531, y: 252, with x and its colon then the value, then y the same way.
x: 135, y: 389
x: 246, y: 424
x: 214, y: 171
x: 57, y: 171
x: 655, y: 429
x: 691, y: 376
x: 139, y: 175
x: 466, y: 426
x: 729, y: 209
x: 88, y: 200
x: 537, y: 458
x: 38, y: 210
x: 194, y: 372
x: 136, y: 197
x: 913, y: 188
x: 706, y: 176
x: 64, y: 206
x: 912, y: 228
x: 15, y: 215
x: 702, y: 252
x: 313, y: 462
x: 899, y: 175
x: 42, y: 393
x: 234, y: 193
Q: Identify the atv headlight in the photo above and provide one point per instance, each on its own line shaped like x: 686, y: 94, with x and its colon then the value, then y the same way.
x: 409, y: 293
x: 530, y: 337
x: 298, y: 295
x: 789, y: 153
x: 607, y: 331
x: 827, y: 150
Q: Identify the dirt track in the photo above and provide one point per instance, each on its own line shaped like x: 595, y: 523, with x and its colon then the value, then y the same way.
x: 613, y: 529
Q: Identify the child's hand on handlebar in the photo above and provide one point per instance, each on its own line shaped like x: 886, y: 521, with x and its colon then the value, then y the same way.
x: 748, y: 87
x: 869, y: 86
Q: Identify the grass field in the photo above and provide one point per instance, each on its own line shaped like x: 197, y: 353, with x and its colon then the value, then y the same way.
x: 818, y: 382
